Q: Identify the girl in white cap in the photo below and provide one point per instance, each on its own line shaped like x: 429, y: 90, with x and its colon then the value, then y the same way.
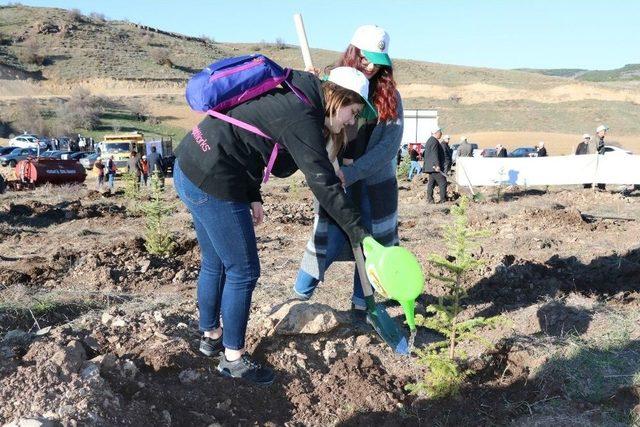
x: 218, y: 173
x: 368, y: 171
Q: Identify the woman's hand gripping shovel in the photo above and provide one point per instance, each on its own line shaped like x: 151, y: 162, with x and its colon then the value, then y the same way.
x: 402, y: 282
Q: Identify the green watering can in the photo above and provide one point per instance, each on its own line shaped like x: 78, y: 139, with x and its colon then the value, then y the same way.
x: 395, y: 273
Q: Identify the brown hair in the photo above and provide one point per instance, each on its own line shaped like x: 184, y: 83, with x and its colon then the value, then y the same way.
x: 336, y: 97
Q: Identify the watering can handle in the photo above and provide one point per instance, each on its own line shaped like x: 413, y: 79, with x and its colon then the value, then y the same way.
x: 362, y: 271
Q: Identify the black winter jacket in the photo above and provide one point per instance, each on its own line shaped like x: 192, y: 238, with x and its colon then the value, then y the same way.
x: 227, y: 161
x: 433, y: 155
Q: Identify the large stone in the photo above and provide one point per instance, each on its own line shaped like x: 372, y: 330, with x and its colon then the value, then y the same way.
x: 70, y: 358
x: 303, y: 318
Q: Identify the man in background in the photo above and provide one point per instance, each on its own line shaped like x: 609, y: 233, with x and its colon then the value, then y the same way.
x: 448, y: 153
x: 434, y: 158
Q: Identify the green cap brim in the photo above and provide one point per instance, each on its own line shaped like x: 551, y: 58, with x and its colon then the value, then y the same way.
x: 377, y: 58
x: 369, y: 111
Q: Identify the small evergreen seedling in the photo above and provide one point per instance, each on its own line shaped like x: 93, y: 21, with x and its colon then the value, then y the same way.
x: 445, y: 373
x: 403, y: 169
x: 131, y: 186
x: 158, y: 240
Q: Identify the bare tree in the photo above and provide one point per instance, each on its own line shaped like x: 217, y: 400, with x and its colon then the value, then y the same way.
x: 280, y: 44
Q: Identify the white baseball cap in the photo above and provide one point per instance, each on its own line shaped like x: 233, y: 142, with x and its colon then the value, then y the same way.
x: 373, y: 42
x: 436, y: 129
x: 601, y: 128
x: 352, y: 79
x: 586, y: 136
x: 446, y: 138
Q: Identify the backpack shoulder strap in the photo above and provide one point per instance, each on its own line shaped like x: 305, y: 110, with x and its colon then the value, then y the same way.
x: 244, y: 125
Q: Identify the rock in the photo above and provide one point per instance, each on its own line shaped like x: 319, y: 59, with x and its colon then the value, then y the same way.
x: 302, y: 318
x: 188, y: 376
x: 31, y: 422
x: 166, y: 416
x: 180, y: 276
x: 224, y: 405
x: 118, y: 323
x: 70, y: 358
x: 129, y: 369
x: 106, y: 318
x: 157, y: 316
x: 363, y: 341
x: 90, y: 371
x: 329, y: 351
x: 144, y: 265
x: 91, y: 342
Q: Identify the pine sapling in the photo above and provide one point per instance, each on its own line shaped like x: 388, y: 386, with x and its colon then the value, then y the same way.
x: 446, y: 375
x: 158, y: 240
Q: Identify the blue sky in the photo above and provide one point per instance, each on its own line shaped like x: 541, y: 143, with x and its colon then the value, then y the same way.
x: 490, y: 33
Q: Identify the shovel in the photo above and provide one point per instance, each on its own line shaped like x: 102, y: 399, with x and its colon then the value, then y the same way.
x: 377, y: 315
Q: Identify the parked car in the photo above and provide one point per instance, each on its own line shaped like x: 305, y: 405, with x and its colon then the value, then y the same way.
x: 523, y: 152
x: 56, y: 154
x: 27, y: 141
x: 11, y: 159
x: 80, y: 155
x: 489, y: 152
x: 6, y: 150
x: 88, y: 161
x: 611, y: 149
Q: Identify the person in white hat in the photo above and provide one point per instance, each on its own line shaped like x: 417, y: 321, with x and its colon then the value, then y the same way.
x: 369, y: 165
x: 583, y: 146
x: 601, y: 132
x: 218, y: 173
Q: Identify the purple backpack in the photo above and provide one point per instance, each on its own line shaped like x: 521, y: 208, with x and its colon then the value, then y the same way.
x: 232, y: 81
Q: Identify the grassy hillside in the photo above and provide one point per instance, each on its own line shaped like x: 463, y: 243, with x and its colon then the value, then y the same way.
x: 78, y: 47
x: 626, y: 73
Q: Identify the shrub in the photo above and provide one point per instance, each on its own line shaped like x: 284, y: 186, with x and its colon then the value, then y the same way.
x: 139, y: 109
x: 403, y: 169
x: 81, y: 111
x: 31, y: 53
x: 161, y: 56
x: 74, y: 15
x: 207, y: 39
x: 24, y: 113
x: 99, y: 17
x: 446, y: 372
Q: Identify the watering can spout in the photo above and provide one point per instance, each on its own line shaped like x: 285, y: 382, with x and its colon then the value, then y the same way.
x: 409, y: 313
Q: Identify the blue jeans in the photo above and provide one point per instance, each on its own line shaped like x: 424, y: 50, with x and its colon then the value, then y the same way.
x: 415, y: 168
x: 229, y: 267
x: 306, y: 284
x: 111, y: 179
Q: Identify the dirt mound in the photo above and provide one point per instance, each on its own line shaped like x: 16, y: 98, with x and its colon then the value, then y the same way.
x: 290, y: 213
